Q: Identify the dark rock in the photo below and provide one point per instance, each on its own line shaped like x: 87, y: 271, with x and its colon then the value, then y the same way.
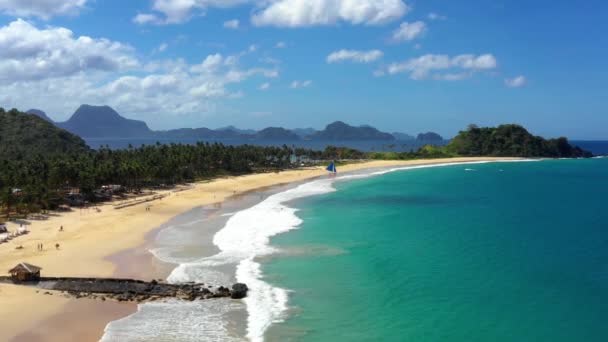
x: 239, y: 291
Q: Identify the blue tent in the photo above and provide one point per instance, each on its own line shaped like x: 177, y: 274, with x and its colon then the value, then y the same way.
x: 332, y: 168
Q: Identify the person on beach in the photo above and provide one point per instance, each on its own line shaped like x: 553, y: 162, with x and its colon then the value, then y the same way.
x: 61, y: 228
x: 57, y: 246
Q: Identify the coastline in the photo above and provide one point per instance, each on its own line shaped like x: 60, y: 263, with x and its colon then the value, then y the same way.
x: 102, y: 243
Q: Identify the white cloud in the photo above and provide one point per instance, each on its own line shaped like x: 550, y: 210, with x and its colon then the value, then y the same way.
x: 516, y: 82
x: 280, y: 45
x: 57, y: 71
x: 432, y: 66
x: 436, y: 16
x: 264, y: 86
x: 231, y: 24
x: 210, y: 64
x: 179, y: 11
x: 283, y: 13
x: 44, y: 9
x: 29, y: 53
x: 409, y: 31
x: 303, y: 13
x: 300, y: 84
x: 355, y: 56
x: 146, y: 18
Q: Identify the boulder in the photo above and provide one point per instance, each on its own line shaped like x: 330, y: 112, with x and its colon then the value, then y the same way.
x: 239, y: 291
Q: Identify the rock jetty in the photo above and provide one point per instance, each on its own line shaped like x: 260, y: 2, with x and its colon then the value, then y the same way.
x: 131, y: 290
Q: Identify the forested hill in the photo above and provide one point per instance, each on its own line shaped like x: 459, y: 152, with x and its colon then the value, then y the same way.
x: 512, y: 141
x: 342, y: 131
x: 23, y: 135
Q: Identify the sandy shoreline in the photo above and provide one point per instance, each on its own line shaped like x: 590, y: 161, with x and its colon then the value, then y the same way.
x: 108, y: 243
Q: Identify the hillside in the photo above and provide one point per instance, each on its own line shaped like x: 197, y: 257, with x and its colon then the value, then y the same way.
x: 24, y: 135
x: 40, y: 114
x: 429, y: 138
x: 512, y: 141
x: 103, y: 121
x: 342, y: 131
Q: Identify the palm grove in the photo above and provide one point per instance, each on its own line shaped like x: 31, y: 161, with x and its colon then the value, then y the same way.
x: 39, y: 161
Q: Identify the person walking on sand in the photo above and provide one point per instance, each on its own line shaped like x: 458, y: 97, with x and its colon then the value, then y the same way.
x: 57, y: 246
x: 61, y: 228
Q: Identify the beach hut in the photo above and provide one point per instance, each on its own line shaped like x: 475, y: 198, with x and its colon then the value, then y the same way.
x: 25, y: 272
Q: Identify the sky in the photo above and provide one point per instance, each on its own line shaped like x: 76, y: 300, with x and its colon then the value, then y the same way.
x: 400, y: 65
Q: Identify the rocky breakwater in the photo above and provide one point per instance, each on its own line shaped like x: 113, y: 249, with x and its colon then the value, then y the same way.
x: 135, y: 290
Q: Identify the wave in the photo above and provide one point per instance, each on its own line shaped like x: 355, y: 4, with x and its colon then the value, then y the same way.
x: 242, y: 241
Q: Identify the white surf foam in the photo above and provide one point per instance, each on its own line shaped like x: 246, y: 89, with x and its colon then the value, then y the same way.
x: 245, y: 237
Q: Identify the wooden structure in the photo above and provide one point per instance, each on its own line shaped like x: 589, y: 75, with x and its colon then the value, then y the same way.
x: 25, y: 272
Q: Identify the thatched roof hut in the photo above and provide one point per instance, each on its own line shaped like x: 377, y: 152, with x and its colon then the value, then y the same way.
x: 25, y: 272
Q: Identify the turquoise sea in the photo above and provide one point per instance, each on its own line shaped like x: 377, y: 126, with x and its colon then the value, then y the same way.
x: 485, y: 252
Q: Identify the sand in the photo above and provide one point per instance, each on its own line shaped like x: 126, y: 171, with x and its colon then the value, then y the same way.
x: 91, y: 236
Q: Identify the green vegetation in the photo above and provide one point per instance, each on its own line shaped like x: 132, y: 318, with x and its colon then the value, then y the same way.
x: 511, y: 141
x: 501, y: 141
x: 41, y: 163
x: 24, y: 135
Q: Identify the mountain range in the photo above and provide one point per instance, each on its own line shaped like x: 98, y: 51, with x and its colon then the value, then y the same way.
x: 104, y: 122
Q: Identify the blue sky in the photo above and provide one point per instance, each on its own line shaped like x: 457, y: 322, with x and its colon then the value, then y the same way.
x: 407, y: 66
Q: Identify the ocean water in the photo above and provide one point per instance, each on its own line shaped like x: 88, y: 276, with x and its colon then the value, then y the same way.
x: 512, y: 251
x: 489, y: 252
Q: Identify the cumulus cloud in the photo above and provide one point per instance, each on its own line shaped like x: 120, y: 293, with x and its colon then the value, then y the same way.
x: 231, y: 24
x: 55, y: 70
x: 516, y: 82
x: 300, y: 84
x: 354, y: 56
x: 280, y: 45
x: 179, y: 11
x: 303, y: 13
x: 443, y: 66
x: 282, y: 13
x: 44, y: 9
x: 29, y: 53
x: 264, y: 86
x: 409, y: 31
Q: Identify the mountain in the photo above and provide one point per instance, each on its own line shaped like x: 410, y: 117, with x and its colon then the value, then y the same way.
x: 40, y: 114
x: 429, y: 137
x: 342, y: 131
x: 22, y: 135
x: 304, y: 132
x: 236, y: 130
x: 104, y: 122
x: 403, y: 136
x: 276, y: 133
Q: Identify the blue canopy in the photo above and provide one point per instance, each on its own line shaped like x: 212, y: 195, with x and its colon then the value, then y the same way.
x: 332, y: 167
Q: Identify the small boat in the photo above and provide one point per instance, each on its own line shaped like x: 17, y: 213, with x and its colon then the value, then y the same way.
x: 332, y: 168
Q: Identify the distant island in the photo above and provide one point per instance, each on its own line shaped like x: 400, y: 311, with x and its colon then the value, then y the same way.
x: 104, y: 122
